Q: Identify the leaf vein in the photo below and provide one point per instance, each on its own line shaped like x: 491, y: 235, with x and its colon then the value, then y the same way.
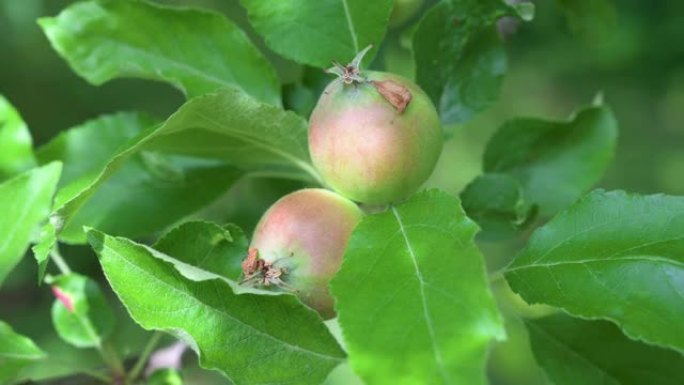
x: 428, y: 319
x: 237, y: 320
x: 350, y: 24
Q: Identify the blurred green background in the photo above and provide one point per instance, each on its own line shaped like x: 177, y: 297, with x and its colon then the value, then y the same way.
x: 632, y: 52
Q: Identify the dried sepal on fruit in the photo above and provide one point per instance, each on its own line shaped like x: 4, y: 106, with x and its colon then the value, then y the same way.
x: 374, y: 137
x: 258, y: 272
x: 299, y: 243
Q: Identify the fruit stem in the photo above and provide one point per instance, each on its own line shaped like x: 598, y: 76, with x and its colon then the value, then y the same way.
x: 144, y: 356
x: 112, y: 359
x: 59, y: 261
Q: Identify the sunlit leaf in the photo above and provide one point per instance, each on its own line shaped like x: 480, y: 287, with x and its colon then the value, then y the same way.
x: 25, y: 202
x: 613, y: 256
x: 16, y: 153
x: 135, y: 194
x: 250, y: 337
x: 197, y: 51
x: 412, y: 296
x: 318, y: 32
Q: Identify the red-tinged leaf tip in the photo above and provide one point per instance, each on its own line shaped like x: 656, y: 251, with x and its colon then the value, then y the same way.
x: 63, y: 298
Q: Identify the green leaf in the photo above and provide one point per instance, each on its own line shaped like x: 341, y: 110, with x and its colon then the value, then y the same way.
x: 318, y: 32
x: 47, y: 241
x: 80, y: 312
x: 495, y: 202
x: 16, y: 352
x: 84, y: 150
x: 142, y: 198
x: 66, y: 360
x: 475, y: 82
x: 91, y: 150
x: 574, y: 351
x: 613, y: 256
x: 227, y: 130
x: 413, y: 298
x: 166, y: 376
x: 128, y: 191
x: 251, y: 338
x: 460, y: 61
x: 16, y: 152
x: 214, y: 248
x: 87, y: 148
x: 231, y: 126
x: 555, y: 162
x: 196, y: 51
x: 25, y: 201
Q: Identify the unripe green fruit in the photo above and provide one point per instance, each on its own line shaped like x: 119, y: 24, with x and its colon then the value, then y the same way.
x: 365, y: 146
x: 304, y: 236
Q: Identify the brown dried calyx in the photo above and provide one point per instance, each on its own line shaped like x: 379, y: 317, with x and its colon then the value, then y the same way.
x: 257, y: 272
x: 396, y: 94
x: 350, y: 73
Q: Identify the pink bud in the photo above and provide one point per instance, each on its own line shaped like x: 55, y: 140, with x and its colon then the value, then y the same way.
x: 63, y: 298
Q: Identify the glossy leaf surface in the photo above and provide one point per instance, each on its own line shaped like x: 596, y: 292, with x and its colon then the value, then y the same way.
x: 412, y: 296
x: 318, y: 32
x: 196, y: 51
x: 248, y: 336
x: 613, y: 256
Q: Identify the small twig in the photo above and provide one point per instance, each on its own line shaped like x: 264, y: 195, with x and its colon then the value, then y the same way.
x: 496, y: 276
x: 95, y: 374
x: 112, y: 359
x: 144, y: 356
x: 59, y: 261
x: 85, y: 371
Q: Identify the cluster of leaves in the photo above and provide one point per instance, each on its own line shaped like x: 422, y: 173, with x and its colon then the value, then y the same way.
x: 413, y: 295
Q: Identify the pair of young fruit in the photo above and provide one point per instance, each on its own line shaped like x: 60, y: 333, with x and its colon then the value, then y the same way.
x: 375, y: 138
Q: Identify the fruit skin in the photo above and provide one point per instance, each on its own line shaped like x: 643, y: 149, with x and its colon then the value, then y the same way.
x: 306, y: 233
x: 365, y: 148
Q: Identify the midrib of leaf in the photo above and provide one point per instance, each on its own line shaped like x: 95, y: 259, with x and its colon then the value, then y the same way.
x: 203, y: 260
x: 90, y: 329
x: 120, y: 156
x: 633, y: 334
x: 590, y: 229
x: 350, y: 24
x: 597, y: 260
x: 620, y: 297
x: 567, y: 348
x: 194, y: 299
x: 426, y: 314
